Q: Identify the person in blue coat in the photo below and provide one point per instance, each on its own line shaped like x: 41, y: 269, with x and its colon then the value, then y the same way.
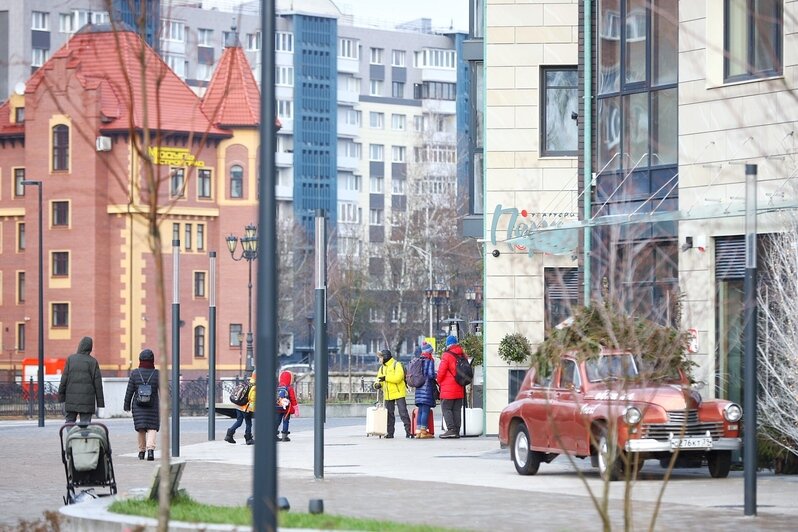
x: 426, y: 394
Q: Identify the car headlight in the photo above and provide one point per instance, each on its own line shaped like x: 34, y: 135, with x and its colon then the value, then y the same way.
x: 632, y: 416
x: 733, y: 412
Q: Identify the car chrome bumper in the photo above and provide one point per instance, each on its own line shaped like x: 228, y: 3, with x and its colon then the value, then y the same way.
x: 647, y: 445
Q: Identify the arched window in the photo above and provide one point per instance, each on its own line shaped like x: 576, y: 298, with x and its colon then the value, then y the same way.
x: 60, y: 148
x: 199, y: 341
x: 236, y: 181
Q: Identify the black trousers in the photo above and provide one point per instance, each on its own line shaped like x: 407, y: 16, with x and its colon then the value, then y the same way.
x: 452, y: 410
x: 402, y: 403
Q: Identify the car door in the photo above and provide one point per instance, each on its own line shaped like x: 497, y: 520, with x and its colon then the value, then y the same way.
x: 565, y: 403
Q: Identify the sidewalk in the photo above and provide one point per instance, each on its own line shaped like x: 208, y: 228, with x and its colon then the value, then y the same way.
x: 471, y: 484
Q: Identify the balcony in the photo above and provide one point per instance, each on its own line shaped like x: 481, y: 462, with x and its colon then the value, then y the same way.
x: 284, y: 159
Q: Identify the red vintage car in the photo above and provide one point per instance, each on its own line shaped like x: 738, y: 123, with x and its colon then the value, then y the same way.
x: 612, y: 409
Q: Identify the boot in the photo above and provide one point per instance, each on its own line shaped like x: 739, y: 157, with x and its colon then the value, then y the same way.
x: 449, y: 434
x: 250, y: 440
x: 141, y: 455
x: 150, y: 455
x: 423, y: 433
x: 229, y: 437
x: 285, y: 437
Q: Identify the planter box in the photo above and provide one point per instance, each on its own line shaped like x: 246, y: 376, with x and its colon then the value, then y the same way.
x: 471, y: 424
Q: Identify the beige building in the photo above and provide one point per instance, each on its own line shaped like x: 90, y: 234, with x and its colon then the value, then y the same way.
x: 681, y: 96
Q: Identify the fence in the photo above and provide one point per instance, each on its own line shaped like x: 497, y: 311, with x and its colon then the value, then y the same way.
x: 16, y: 402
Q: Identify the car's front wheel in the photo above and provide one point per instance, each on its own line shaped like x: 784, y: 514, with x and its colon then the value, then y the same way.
x: 610, y: 463
x: 719, y: 463
x: 525, y: 460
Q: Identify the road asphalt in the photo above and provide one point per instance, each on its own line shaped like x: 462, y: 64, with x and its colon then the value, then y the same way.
x: 465, y: 484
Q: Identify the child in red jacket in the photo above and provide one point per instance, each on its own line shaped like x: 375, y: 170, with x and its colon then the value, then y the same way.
x: 286, y: 403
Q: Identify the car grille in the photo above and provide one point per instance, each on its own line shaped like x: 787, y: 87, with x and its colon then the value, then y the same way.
x: 678, y: 421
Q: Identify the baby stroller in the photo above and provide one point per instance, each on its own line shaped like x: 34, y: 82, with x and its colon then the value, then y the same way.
x: 86, y: 453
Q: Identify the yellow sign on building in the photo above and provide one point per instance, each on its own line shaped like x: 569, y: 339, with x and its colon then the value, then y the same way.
x: 173, y: 157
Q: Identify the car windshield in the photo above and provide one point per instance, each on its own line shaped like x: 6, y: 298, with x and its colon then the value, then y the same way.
x: 658, y: 369
x: 610, y: 367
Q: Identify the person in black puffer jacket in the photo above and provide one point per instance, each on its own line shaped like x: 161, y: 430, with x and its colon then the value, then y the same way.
x: 81, y: 384
x: 146, y: 419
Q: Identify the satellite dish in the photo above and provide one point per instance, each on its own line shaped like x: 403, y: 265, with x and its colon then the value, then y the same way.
x: 19, y: 88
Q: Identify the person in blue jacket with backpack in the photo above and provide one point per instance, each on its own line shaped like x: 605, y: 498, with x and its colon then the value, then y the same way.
x: 425, y: 394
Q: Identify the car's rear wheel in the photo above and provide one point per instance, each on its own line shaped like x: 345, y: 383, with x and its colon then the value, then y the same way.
x: 525, y: 460
x: 610, y: 463
x: 719, y: 463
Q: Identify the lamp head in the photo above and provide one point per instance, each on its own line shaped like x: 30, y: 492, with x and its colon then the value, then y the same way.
x: 232, y: 242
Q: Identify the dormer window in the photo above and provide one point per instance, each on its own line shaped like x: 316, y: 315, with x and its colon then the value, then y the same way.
x: 19, y: 115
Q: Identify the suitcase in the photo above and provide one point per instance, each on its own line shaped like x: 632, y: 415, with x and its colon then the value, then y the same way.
x: 377, y: 421
x: 430, y: 422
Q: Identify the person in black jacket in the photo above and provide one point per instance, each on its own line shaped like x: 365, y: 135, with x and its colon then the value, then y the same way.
x: 146, y: 418
x: 81, y: 384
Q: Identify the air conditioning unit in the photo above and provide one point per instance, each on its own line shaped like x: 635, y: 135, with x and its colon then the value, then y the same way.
x: 103, y: 143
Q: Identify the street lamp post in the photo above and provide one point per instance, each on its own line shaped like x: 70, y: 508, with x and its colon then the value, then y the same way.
x: 436, y: 296
x: 427, y: 255
x: 38, y: 184
x: 249, y: 252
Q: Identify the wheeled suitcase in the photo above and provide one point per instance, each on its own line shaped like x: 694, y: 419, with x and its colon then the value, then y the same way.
x: 430, y: 422
x: 377, y: 421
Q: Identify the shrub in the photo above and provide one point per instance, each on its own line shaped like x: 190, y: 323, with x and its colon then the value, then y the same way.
x: 515, y: 349
x: 472, y: 345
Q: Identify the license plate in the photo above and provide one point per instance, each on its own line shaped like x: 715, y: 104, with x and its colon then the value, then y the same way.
x: 691, y: 443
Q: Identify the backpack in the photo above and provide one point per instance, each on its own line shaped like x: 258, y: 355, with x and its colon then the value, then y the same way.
x: 144, y: 391
x: 414, y: 376
x: 463, y: 372
x: 240, y: 394
x: 283, y: 400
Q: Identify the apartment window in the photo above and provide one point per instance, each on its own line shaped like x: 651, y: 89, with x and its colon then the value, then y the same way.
x: 352, y: 117
x: 435, y: 58
x: 376, y: 152
x: 60, y: 266
x: 40, y: 21
x: 66, y: 23
x: 229, y: 38
x: 236, y: 334
x: 199, y: 341
x: 398, y: 122
x: 177, y: 63
x: 175, y: 231
x: 204, y: 183
x: 200, y: 237
x: 375, y: 216
x: 347, y: 148
x: 60, y: 315
x: 284, y: 76
x: 20, y: 287
x: 21, y: 237
x: 376, y: 184
x: 253, y: 41
x: 560, y: 101
x: 60, y: 213
x: 199, y: 284
x: 236, y: 181
x: 376, y: 56
x: 397, y: 89
x: 375, y: 87
x: 82, y: 17
x: 350, y: 181
x: 418, y: 123
x: 20, y: 336
x: 203, y: 72
x: 19, y: 177
x: 437, y: 90
x: 398, y: 186
x: 60, y: 147
x: 398, y: 58
x: 348, y: 212
x: 376, y: 120
x: 285, y: 109
x: 39, y: 57
x: 204, y: 37
x: 173, y: 30
x: 177, y: 182
x: 752, y: 39
x: 189, y: 234
x: 284, y: 42
x: 100, y: 17
x: 348, y: 48
x: 398, y: 154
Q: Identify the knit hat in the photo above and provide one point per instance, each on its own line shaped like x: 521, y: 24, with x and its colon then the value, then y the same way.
x: 451, y: 340
x: 426, y: 348
x: 147, y: 354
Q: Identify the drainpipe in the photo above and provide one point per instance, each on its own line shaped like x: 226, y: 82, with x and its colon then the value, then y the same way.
x: 587, y: 121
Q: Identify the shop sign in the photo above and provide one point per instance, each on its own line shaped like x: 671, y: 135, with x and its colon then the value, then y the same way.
x: 528, y: 223
x: 173, y: 157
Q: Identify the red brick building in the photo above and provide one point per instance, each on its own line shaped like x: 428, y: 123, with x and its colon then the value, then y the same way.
x: 77, y: 127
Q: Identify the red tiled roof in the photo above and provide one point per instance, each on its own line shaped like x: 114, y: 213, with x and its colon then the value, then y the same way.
x: 233, y: 97
x: 7, y: 129
x: 109, y: 62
